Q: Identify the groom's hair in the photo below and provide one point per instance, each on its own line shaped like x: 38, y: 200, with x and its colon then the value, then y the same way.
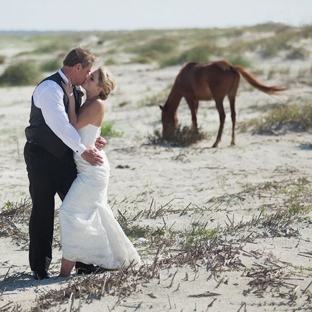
x: 79, y: 55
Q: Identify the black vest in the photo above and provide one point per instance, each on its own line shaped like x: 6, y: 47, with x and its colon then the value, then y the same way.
x: 38, y: 131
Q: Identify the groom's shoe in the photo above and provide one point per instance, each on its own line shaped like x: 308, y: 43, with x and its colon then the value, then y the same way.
x: 87, y: 269
x: 91, y: 269
x: 41, y: 275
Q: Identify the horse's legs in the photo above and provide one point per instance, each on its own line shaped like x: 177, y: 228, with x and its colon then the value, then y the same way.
x: 193, y: 105
x: 231, y: 97
x: 220, y: 108
x: 233, y: 116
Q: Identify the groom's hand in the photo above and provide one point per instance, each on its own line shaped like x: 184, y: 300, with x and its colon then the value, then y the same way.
x: 100, y: 143
x: 92, y: 156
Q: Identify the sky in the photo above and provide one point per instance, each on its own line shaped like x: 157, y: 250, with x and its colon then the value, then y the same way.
x: 88, y: 15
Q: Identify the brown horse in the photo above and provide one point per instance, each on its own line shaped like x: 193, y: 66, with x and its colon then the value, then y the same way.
x: 203, y: 82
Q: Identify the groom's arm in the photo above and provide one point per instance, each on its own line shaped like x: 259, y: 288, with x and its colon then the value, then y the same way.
x: 48, y: 96
x: 90, y: 115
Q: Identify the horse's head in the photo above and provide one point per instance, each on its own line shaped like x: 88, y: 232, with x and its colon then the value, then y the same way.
x: 169, y: 121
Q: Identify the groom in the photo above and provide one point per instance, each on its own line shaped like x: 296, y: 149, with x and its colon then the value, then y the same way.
x: 48, y: 152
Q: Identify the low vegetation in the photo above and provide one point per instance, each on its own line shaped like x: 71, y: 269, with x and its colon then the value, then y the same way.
x: 209, y: 238
x: 107, y: 130
x: 198, y: 247
x: 181, y: 136
x: 21, y: 74
x: 155, y: 99
x: 198, y: 53
x: 51, y: 65
x: 296, y: 117
x: 172, y: 46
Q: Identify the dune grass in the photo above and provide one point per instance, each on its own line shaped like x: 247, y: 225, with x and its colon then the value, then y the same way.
x: 295, y: 117
x: 181, y: 136
x: 284, y: 207
x: 107, y: 130
x: 170, y: 47
x: 51, y: 65
x: 22, y: 73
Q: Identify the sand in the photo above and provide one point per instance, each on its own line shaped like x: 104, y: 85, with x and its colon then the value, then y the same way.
x: 265, y: 272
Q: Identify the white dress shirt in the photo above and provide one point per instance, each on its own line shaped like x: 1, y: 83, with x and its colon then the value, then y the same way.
x: 48, y: 96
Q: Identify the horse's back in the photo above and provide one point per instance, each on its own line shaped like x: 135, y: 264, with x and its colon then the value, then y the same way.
x: 207, y: 66
x: 192, y: 81
x: 206, y: 80
x: 210, y: 71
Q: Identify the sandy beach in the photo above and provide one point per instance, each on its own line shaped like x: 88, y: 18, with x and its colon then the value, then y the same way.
x: 248, y: 206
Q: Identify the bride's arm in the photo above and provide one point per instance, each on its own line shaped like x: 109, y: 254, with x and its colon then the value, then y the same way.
x: 72, y: 116
x: 88, y: 115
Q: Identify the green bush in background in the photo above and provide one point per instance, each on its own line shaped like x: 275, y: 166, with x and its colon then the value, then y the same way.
x: 21, y: 74
x: 108, y: 131
x: 51, y: 65
x: 199, y: 53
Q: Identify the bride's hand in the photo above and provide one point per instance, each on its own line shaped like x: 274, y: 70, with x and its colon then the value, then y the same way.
x: 68, y: 87
x: 100, y: 143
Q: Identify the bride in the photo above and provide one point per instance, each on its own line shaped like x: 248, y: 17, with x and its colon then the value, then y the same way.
x: 89, y: 231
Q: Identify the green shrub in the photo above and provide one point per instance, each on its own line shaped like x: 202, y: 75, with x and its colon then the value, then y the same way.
x: 110, y: 61
x: 181, y: 136
x: 240, y: 61
x: 170, y: 61
x: 306, y: 31
x: 155, y: 49
x: 293, y: 117
x: 108, y: 131
x: 141, y: 59
x: 53, y: 47
x: 51, y: 65
x: 196, y: 54
x: 155, y: 98
x: 298, y: 54
x: 199, y: 53
x: 2, y: 59
x: 272, y: 46
x: 21, y: 74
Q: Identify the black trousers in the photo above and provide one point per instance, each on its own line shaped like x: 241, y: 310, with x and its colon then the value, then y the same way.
x: 48, y: 176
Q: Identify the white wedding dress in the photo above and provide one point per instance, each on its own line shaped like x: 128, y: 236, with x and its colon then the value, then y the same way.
x: 89, y: 231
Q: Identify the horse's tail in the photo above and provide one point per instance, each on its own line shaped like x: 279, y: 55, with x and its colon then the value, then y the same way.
x: 250, y: 78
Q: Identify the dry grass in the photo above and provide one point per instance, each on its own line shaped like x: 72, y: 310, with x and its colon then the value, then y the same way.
x: 199, y: 249
x: 295, y: 117
x: 205, y: 247
x: 181, y: 136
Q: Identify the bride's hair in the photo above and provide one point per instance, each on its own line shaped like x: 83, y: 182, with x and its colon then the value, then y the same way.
x: 106, y: 82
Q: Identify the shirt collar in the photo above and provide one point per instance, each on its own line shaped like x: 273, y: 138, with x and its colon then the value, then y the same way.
x: 63, y: 75
x: 65, y: 78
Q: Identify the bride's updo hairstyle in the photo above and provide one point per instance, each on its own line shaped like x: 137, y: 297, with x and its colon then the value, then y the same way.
x: 106, y: 82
